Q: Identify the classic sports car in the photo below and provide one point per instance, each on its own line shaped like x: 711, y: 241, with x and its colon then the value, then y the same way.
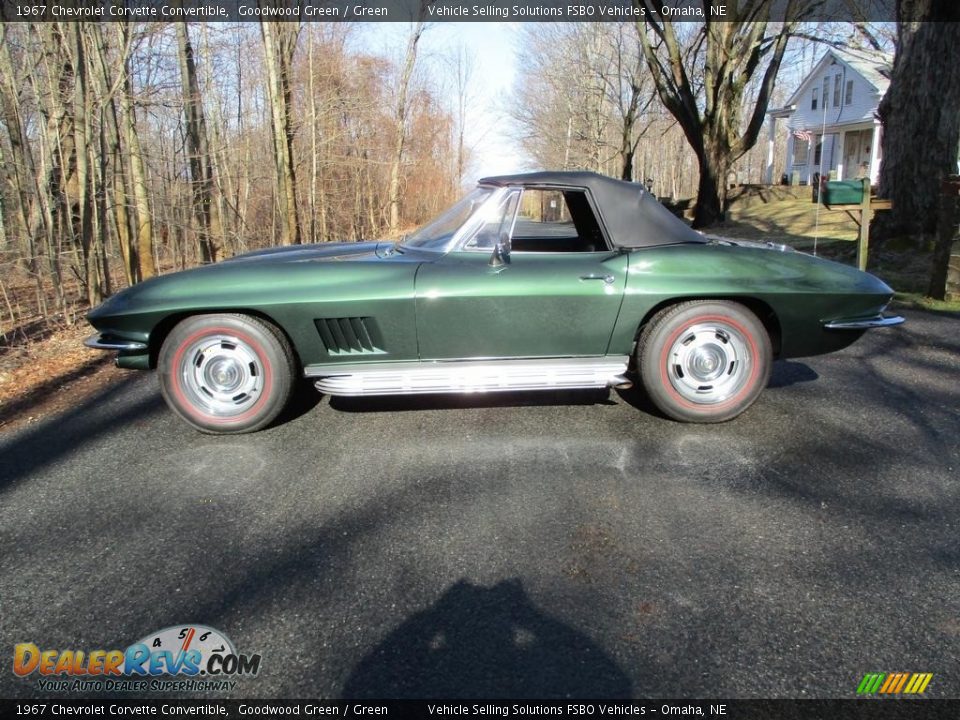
x: 541, y: 281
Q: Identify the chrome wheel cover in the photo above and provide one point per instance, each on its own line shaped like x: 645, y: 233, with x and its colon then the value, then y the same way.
x: 709, y: 362
x: 221, y: 375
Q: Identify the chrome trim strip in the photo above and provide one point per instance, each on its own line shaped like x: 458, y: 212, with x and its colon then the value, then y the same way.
x: 95, y: 342
x: 458, y: 376
x: 878, y: 321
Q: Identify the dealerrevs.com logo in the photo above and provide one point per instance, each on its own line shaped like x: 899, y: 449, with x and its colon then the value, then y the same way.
x: 196, y: 656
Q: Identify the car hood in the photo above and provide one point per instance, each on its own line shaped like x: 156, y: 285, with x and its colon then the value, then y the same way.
x: 320, y: 251
x: 287, y: 274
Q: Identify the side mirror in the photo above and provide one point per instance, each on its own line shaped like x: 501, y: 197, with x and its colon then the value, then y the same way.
x: 501, y: 251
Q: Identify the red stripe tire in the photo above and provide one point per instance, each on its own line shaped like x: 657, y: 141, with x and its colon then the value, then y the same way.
x: 704, y: 361
x: 226, y: 374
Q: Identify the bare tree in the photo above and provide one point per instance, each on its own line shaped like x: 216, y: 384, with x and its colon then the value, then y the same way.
x: 279, y: 45
x: 400, y: 119
x: 21, y: 169
x: 464, y: 69
x: 728, y: 54
x: 109, y: 80
x: 205, y: 208
x: 631, y: 93
x: 146, y: 261
x: 117, y: 142
x: 84, y: 174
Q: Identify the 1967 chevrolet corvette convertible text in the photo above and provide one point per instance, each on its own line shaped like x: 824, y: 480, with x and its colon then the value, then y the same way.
x: 541, y: 281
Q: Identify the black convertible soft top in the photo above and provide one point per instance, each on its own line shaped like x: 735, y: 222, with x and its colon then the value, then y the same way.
x: 632, y: 216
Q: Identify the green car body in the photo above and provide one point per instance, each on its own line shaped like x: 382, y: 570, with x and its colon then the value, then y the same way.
x: 410, y: 305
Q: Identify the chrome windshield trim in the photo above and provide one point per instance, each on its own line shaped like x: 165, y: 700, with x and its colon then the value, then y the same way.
x: 467, y: 228
x: 864, y: 324
x: 102, y: 342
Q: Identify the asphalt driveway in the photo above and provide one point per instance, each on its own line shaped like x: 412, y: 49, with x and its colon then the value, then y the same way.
x: 523, y: 545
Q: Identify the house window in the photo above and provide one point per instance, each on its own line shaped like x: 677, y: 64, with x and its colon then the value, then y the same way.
x: 801, y: 149
x: 826, y: 92
x: 818, y: 151
x: 836, y: 90
x: 848, y: 98
x: 813, y: 103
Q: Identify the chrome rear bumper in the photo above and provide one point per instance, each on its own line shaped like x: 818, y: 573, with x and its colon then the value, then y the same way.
x: 864, y: 323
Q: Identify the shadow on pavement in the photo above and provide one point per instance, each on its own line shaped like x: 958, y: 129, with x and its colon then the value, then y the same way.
x: 533, y: 398
x: 305, y: 398
x: 24, y: 452
x: 789, y: 372
x: 478, y: 642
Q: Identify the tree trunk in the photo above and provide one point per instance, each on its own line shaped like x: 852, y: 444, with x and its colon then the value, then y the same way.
x: 949, y: 217
x: 279, y: 44
x: 82, y: 146
x: 144, y: 220
x: 734, y: 52
x: 108, y: 86
x: 312, y: 91
x: 103, y: 220
x: 57, y: 149
x: 921, y: 119
x: 221, y: 180
x: 400, y: 129
x: 205, y: 209
x: 712, y: 187
x: 25, y: 222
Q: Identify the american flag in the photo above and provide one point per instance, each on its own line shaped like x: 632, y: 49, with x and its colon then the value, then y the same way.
x: 804, y: 135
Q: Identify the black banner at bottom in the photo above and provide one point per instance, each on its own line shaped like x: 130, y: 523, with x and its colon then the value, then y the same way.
x: 872, y: 709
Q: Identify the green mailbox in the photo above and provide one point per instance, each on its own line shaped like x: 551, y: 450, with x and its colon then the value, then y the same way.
x: 843, y: 192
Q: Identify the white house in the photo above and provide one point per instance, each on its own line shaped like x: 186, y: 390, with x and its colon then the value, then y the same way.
x: 831, y: 119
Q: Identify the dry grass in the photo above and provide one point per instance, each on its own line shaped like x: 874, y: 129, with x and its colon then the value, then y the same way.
x: 778, y: 217
x: 45, y: 376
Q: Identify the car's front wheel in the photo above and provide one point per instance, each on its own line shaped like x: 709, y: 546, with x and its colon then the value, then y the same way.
x: 704, y: 361
x: 226, y: 374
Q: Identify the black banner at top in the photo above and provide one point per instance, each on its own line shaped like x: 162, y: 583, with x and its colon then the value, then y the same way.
x: 446, y: 10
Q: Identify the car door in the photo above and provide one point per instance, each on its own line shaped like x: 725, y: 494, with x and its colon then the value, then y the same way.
x: 557, y: 293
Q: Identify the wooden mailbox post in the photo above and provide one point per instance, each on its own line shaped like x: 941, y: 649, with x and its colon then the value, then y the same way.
x: 868, y: 206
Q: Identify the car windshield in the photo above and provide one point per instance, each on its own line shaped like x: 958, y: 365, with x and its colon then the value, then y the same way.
x: 436, y: 234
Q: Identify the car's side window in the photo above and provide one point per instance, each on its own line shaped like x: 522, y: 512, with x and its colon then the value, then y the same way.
x: 553, y: 220
x: 498, y: 220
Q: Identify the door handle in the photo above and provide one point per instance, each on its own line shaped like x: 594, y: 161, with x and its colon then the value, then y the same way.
x: 608, y: 279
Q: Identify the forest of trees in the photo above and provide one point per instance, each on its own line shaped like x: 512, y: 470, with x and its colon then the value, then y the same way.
x: 128, y: 149
x: 132, y: 149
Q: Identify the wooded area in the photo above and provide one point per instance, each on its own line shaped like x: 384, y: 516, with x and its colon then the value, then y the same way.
x: 130, y: 149
x: 135, y: 148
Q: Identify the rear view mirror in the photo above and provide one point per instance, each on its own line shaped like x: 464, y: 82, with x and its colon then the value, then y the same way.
x: 501, y: 250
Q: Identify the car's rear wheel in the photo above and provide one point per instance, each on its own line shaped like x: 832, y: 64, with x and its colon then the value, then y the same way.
x: 704, y: 361
x: 226, y: 374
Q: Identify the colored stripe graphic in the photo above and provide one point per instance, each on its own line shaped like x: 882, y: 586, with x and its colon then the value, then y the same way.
x: 894, y: 683
x: 870, y: 683
x: 890, y: 682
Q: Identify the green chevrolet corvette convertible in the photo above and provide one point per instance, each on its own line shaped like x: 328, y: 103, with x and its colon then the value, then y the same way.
x: 541, y: 281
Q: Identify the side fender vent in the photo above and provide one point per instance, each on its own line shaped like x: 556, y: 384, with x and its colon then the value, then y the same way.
x: 350, y: 335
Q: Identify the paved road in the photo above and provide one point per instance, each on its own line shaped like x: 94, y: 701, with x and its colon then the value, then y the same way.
x: 522, y: 545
